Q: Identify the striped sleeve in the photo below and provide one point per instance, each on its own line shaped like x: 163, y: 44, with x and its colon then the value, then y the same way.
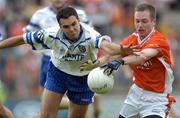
x: 36, y: 40
x: 100, y: 38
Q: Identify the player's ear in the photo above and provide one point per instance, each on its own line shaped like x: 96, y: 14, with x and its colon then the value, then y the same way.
x: 154, y: 21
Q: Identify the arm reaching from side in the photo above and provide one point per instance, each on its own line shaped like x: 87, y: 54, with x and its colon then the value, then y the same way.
x: 117, y: 49
x: 12, y: 42
x: 139, y: 58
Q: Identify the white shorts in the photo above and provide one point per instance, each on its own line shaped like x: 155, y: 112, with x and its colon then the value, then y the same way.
x: 145, y: 103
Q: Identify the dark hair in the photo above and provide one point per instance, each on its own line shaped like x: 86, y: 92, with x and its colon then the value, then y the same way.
x: 65, y: 12
x: 150, y: 8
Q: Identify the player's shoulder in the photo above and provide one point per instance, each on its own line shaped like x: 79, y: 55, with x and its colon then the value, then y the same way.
x: 133, y: 36
x: 86, y: 27
x: 83, y: 16
x: 157, y: 40
x: 42, y: 11
x: 89, y: 30
x: 129, y: 39
x: 80, y: 11
x: 158, y: 35
x: 52, y: 30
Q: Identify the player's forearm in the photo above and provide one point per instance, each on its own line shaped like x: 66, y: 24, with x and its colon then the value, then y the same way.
x: 111, y: 48
x: 114, y: 49
x: 134, y: 59
x: 12, y: 42
x: 141, y: 57
x: 103, y: 60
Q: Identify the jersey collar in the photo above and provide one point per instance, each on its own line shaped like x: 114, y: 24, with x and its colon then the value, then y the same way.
x: 140, y: 41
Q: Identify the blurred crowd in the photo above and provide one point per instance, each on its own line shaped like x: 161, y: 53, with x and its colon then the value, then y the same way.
x: 19, y: 66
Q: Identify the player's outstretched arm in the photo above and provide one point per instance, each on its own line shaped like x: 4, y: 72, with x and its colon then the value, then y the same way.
x: 137, y: 59
x: 117, y: 49
x: 12, y: 42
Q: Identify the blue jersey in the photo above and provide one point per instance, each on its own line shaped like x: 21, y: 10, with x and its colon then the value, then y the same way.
x: 67, y: 56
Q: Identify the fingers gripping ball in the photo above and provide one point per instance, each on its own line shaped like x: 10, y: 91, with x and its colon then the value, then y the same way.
x: 99, y: 82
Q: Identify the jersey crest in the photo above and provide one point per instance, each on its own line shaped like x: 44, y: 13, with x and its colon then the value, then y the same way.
x: 82, y: 48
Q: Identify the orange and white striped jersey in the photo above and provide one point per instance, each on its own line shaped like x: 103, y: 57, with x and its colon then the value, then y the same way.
x: 156, y: 73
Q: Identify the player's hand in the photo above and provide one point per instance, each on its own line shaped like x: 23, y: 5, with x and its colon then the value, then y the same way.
x: 111, y: 66
x: 89, y: 65
x: 129, y: 49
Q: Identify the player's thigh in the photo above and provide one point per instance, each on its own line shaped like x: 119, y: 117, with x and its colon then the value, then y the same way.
x: 50, y: 101
x: 77, y: 111
x: 154, y: 104
x: 153, y: 109
x: 128, y: 111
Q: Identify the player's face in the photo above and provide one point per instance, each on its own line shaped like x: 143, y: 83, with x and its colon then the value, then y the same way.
x: 143, y: 23
x: 71, y: 27
x: 57, y: 4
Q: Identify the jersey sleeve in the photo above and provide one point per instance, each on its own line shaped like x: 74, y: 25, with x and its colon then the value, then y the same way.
x: 100, y: 39
x: 39, y: 40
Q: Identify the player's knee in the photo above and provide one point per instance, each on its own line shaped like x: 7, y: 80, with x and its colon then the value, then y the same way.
x: 121, y: 116
x: 153, y: 116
